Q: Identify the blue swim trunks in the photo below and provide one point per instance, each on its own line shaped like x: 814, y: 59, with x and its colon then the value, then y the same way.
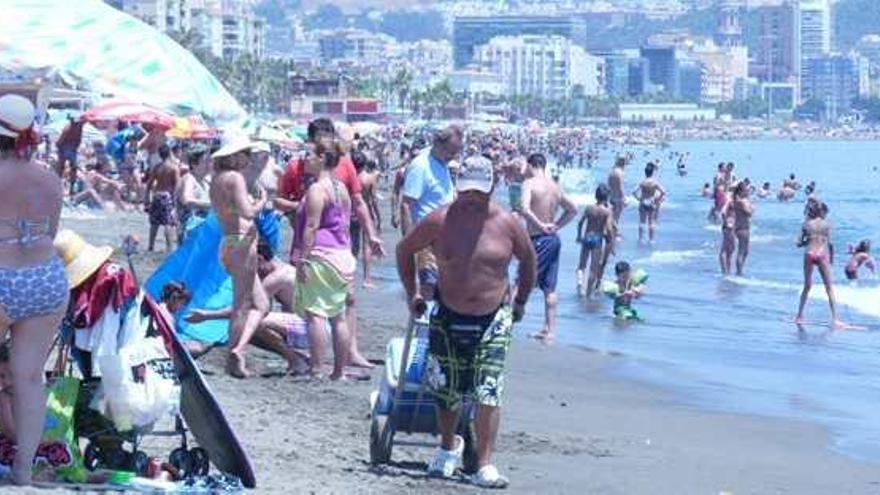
x: 547, y: 247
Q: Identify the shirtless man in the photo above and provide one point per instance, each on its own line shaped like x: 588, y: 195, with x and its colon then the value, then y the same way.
x: 600, y: 233
x: 617, y: 197
x: 650, y: 194
x: 743, y: 209
x: 162, y: 183
x: 278, y: 280
x: 475, y: 240
x: 541, y: 199
x: 397, y: 188
x: 237, y: 210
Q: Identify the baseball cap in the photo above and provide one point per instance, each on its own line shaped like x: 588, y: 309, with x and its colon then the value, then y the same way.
x: 475, y: 175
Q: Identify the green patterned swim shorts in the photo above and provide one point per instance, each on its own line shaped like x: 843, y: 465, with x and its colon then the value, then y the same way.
x: 467, y: 355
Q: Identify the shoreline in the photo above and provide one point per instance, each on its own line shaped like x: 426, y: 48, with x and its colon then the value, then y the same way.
x: 571, y: 423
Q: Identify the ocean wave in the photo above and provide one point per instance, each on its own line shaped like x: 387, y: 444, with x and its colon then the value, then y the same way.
x: 80, y: 213
x: 671, y: 257
x: 766, y: 238
x: 859, y: 298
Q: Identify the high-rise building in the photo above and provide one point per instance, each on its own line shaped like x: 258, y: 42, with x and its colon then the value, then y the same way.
x: 777, y: 55
x: 835, y: 80
x: 662, y: 67
x: 814, y: 25
x: 548, y: 67
x: 729, y: 31
x: 617, y: 71
x: 471, y: 32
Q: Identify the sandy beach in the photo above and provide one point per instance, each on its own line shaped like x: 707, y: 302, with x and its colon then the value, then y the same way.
x: 570, y: 425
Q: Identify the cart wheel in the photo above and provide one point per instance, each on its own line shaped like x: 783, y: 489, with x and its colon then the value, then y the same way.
x: 139, y: 463
x: 469, y: 462
x: 92, y: 457
x: 119, y: 459
x: 199, y: 461
x: 179, y: 458
x: 381, y: 439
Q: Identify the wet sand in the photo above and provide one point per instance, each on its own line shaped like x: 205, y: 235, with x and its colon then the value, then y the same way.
x: 569, y: 426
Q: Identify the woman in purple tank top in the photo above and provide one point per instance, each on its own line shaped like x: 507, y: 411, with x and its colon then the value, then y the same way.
x: 322, y: 256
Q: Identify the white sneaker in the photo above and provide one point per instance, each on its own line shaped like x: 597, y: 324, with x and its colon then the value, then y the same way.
x: 446, y: 461
x: 489, y: 477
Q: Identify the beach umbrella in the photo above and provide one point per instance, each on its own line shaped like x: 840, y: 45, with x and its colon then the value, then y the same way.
x: 191, y: 127
x: 277, y: 137
x: 109, y: 52
x: 126, y: 111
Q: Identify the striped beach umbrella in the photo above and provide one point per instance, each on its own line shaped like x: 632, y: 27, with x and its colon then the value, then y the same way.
x: 110, y: 52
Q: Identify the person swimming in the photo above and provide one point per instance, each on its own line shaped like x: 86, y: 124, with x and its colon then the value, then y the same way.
x: 629, y: 286
x: 861, y: 256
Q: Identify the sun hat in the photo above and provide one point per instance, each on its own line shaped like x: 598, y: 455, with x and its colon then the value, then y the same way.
x: 475, y: 175
x: 81, y: 259
x: 17, y: 115
x: 234, y: 146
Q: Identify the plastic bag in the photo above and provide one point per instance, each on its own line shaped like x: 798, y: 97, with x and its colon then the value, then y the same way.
x: 59, y: 448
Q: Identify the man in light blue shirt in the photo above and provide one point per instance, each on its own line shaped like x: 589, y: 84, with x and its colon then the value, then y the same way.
x: 428, y: 186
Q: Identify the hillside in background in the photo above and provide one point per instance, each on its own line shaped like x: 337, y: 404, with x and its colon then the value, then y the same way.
x: 853, y: 19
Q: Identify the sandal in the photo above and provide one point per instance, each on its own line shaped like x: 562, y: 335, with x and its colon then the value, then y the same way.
x: 446, y: 461
x: 489, y: 477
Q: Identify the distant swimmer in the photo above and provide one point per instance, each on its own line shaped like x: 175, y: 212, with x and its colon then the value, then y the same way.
x: 791, y: 182
x: 650, y: 194
x: 861, y: 256
x: 727, y: 215
x: 816, y: 237
x: 810, y: 189
x: 597, y: 242
x: 706, y: 192
x: 743, y: 209
x: 719, y: 185
x: 787, y: 191
x: 764, y: 191
x: 615, y: 184
x: 682, y: 168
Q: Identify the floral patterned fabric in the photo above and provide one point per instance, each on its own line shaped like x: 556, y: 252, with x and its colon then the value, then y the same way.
x: 467, y: 355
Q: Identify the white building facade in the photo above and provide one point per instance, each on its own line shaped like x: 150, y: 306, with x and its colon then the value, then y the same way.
x: 548, y: 67
x: 814, y: 28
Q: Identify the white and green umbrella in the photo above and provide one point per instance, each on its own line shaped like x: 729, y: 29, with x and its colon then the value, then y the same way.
x: 110, y: 53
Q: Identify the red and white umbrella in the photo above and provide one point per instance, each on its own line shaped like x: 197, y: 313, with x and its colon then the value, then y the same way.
x: 130, y: 112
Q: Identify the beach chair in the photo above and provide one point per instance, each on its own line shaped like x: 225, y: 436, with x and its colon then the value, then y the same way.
x: 409, y: 407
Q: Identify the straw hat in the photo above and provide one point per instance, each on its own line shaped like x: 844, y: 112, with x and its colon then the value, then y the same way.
x: 234, y: 146
x: 16, y: 115
x: 81, y: 259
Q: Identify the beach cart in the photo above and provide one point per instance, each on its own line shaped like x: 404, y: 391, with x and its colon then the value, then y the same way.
x: 406, y: 405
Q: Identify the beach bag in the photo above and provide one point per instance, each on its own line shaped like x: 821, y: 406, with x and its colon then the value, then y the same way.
x: 59, y: 449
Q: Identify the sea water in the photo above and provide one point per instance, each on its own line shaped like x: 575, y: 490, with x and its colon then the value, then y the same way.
x: 728, y: 342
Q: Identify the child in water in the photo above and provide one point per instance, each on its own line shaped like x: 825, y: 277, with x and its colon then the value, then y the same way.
x: 629, y: 286
x: 861, y: 255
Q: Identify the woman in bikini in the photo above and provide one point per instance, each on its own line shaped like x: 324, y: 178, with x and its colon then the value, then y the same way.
x: 727, y: 215
x: 816, y: 237
x: 743, y: 209
x: 33, y: 284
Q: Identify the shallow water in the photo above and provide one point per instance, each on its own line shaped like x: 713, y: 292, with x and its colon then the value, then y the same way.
x: 727, y: 341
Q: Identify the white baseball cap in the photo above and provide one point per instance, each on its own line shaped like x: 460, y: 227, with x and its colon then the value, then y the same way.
x: 475, y: 175
x: 17, y: 114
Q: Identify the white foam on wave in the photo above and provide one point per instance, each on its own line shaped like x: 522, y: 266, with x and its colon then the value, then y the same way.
x: 712, y: 228
x: 766, y: 238
x: 671, y: 257
x: 80, y: 213
x: 860, y: 298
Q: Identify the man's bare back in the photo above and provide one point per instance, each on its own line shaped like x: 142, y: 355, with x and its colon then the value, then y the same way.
x: 279, y: 285
x: 165, y: 177
x: 545, y: 198
x: 615, y: 183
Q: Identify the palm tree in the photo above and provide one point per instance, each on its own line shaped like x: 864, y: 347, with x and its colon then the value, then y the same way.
x: 402, y: 83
